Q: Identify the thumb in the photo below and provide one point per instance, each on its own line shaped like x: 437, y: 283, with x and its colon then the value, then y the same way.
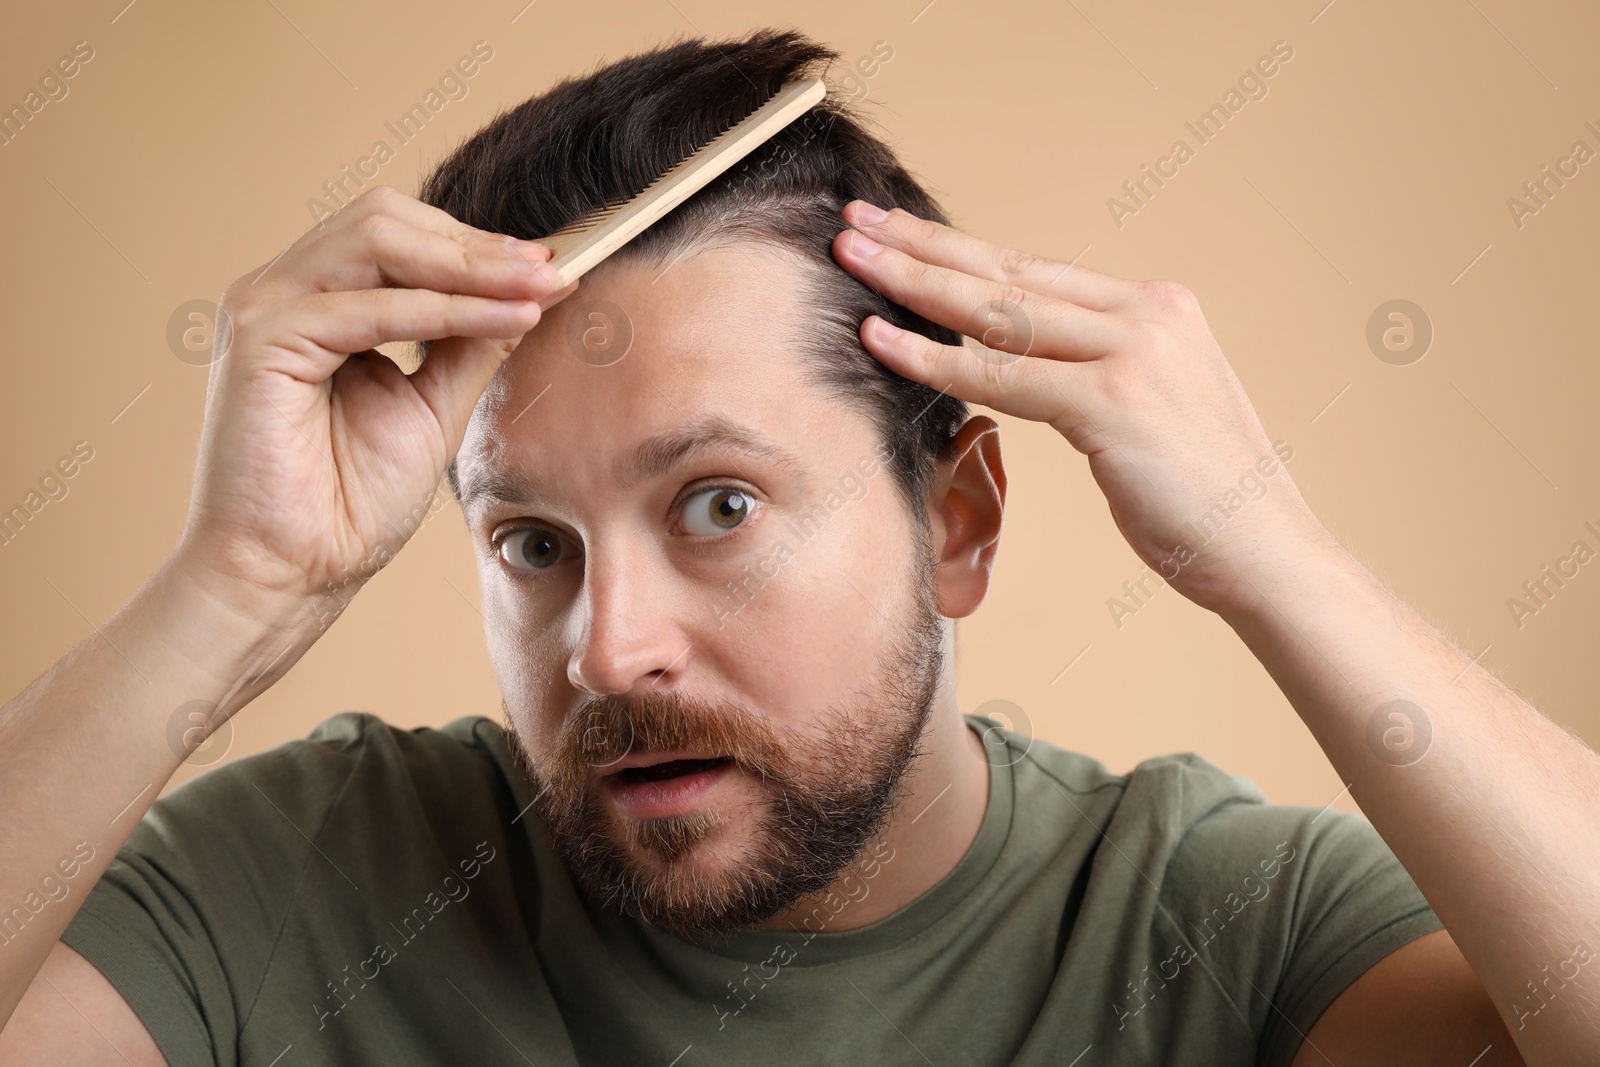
x: 454, y: 375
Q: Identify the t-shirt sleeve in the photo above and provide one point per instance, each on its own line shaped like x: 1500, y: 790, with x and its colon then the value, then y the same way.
x: 1285, y: 907
x: 184, y: 920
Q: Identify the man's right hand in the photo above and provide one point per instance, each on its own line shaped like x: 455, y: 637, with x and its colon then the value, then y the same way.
x: 314, y: 444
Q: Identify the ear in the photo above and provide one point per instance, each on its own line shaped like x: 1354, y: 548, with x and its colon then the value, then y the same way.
x: 965, y: 506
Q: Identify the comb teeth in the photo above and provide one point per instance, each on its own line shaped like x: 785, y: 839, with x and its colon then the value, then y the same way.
x: 596, y: 216
x: 587, y: 240
x: 591, y: 218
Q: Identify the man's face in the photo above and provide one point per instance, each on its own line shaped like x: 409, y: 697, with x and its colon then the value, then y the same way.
x: 717, y: 656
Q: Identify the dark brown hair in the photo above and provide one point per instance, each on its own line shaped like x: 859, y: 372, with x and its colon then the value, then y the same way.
x: 602, y: 137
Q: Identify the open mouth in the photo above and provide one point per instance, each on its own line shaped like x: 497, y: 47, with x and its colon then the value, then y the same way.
x: 669, y: 788
x: 671, y: 769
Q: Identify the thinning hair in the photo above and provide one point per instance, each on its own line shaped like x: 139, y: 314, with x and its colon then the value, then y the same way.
x: 603, y: 137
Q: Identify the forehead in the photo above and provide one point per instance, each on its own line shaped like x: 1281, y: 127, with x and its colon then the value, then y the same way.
x: 644, y: 354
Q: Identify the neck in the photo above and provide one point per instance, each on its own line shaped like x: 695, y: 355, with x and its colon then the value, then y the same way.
x: 946, y: 796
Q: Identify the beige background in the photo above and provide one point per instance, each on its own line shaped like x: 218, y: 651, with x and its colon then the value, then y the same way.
x: 1378, y: 167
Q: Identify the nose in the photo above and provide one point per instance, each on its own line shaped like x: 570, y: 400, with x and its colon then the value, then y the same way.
x: 629, y: 636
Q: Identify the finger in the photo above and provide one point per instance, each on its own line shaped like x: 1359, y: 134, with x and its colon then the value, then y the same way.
x: 321, y: 259
x: 383, y: 250
x: 945, y: 246
x: 454, y: 376
x: 1035, y: 389
x: 389, y: 200
x: 459, y: 369
x: 1041, y: 326
x: 318, y: 332
x: 551, y: 300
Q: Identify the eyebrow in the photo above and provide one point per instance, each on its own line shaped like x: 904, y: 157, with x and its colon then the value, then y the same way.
x: 655, y: 456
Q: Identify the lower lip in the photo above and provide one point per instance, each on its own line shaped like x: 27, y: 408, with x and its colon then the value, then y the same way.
x: 669, y: 796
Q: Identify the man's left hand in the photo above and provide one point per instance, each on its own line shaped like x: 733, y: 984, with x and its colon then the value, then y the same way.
x: 1127, y: 371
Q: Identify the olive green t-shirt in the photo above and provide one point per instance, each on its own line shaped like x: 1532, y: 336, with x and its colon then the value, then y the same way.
x: 379, y: 895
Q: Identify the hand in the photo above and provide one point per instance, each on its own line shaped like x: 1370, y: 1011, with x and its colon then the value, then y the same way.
x: 1127, y: 371
x: 314, y: 444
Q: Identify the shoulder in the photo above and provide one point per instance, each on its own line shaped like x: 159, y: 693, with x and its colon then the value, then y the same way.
x: 1204, y: 837
x: 1137, y: 832
x: 1282, y: 906
x: 359, y: 748
x: 356, y: 803
x: 1180, y: 868
x: 1160, y: 800
x: 1182, y: 815
x: 349, y: 734
x: 353, y: 787
x: 253, y: 868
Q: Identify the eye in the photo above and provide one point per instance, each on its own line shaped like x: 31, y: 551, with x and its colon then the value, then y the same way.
x: 529, y: 549
x: 716, y: 510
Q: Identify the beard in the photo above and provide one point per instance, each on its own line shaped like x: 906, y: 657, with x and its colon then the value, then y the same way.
x: 824, y: 792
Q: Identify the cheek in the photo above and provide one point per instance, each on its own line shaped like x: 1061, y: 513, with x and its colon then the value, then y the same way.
x: 525, y: 657
x: 809, y: 637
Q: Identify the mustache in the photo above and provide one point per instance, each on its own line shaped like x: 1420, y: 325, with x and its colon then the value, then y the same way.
x: 607, y: 729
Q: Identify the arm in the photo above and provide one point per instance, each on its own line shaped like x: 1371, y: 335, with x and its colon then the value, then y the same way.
x: 309, y: 456
x: 84, y: 749
x: 1497, y: 822
x: 1494, y: 815
x: 71, y: 1015
x: 1420, y: 1005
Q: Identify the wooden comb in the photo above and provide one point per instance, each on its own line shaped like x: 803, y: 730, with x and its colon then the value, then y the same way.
x: 584, y: 243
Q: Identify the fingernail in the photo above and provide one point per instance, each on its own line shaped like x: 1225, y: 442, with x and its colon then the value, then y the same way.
x: 548, y: 301
x: 527, y: 248
x: 861, y: 243
x: 870, y: 214
x: 884, y: 330
x: 547, y: 274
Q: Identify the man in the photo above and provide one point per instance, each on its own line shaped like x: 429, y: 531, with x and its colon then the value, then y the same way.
x: 721, y: 517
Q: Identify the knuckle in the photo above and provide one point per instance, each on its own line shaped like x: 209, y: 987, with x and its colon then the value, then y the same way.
x: 1016, y: 298
x: 1150, y: 334
x: 376, y: 229
x: 237, y: 305
x: 909, y: 224
x: 1014, y: 262
x: 915, y: 272
x: 379, y: 196
x: 991, y: 373
x: 1172, y: 297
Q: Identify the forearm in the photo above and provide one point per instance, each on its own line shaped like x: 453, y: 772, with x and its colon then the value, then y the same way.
x: 87, y: 747
x: 1498, y: 821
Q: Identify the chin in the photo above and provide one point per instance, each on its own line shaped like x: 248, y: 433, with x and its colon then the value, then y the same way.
x: 698, y: 845
x: 694, y: 874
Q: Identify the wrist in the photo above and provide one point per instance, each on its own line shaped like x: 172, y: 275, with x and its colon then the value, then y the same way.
x: 241, y: 638
x: 1317, y: 570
